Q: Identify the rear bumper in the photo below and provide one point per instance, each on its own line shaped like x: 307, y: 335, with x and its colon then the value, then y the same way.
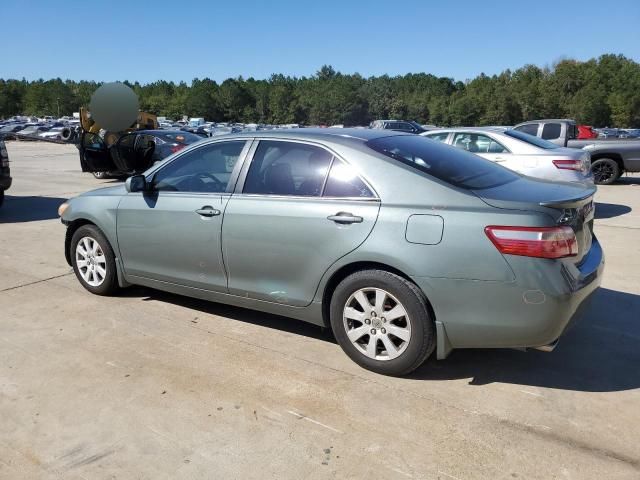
x: 534, y: 311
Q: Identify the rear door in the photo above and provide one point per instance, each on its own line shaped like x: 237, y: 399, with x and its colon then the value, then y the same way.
x: 297, y: 209
x: 94, y: 154
x: 134, y: 152
x: 529, y: 128
x: 552, y: 132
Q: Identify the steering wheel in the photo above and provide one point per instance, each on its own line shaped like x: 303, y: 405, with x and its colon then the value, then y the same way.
x: 218, y: 185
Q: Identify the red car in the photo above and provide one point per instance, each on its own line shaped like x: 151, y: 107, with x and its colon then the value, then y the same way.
x: 585, y: 132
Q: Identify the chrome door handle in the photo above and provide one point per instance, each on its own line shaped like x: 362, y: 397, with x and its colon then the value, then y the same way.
x: 208, y: 211
x: 344, y: 218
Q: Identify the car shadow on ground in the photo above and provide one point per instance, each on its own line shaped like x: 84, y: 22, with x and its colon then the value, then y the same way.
x: 610, y: 210
x: 29, y: 209
x: 245, y: 315
x: 628, y: 180
x: 600, y: 353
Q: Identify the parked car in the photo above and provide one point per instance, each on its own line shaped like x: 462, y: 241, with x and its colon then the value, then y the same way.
x: 610, y: 158
x: 132, y: 153
x: 5, y: 171
x: 31, y: 132
x: 608, y: 133
x: 8, y: 131
x: 400, y: 244
x: 629, y: 133
x: 586, y: 132
x: 521, y: 152
x: 399, y: 126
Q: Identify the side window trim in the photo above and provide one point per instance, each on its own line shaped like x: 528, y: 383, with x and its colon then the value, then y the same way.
x: 242, y: 177
x: 234, y: 174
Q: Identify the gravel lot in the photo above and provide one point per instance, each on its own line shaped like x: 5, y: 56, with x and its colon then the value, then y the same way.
x: 152, y: 385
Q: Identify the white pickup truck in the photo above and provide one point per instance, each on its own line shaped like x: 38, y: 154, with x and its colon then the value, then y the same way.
x: 610, y: 158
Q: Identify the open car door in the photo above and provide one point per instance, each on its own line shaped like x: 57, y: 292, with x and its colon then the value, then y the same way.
x: 94, y: 154
x: 133, y: 152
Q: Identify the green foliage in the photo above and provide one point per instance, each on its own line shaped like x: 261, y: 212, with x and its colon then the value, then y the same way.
x: 599, y: 92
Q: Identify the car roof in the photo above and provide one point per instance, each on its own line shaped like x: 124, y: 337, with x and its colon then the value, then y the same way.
x: 363, y: 134
x: 547, y: 120
x: 465, y: 129
x: 161, y: 131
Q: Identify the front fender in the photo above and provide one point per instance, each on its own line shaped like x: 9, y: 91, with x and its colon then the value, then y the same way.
x: 99, y: 210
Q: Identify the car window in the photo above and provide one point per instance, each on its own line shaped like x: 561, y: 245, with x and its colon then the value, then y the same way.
x: 450, y: 165
x: 551, y: 131
x: 529, y: 128
x: 530, y: 139
x: 477, y: 143
x: 206, y: 169
x: 441, y: 137
x: 287, y: 168
x: 344, y: 181
x: 405, y: 127
x: 92, y: 140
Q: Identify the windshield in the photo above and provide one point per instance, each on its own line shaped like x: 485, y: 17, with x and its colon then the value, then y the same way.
x: 182, y: 137
x: 530, y: 139
x: 449, y: 164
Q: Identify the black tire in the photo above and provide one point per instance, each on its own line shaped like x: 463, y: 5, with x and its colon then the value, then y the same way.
x: 422, y: 341
x: 66, y: 133
x: 101, y: 175
x: 109, y: 283
x: 605, y: 171
x: 1, y: 197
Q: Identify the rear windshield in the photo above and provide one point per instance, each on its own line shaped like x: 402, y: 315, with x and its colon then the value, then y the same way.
x: 530, y: 139
x: 449, y: 164
x: 181, y: 137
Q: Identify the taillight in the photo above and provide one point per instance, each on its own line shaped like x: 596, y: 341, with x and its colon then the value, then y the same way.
x: 541, y: 242
x: 568, y: 164
x: 177, y: 147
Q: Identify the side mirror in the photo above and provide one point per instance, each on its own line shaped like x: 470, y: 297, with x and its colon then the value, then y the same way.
x: 137, y: 183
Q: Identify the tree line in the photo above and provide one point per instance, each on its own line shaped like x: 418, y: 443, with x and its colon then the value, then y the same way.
x: 599, y: 92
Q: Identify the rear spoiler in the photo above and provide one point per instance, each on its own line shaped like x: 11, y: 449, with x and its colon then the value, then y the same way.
x: 574, y: 202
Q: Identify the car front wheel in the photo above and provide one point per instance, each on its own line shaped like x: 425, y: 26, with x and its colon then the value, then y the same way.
x: 382, y: 322
x: 93, y: 260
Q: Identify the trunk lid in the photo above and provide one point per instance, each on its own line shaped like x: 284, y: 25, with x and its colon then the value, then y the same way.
x: 568, y: 204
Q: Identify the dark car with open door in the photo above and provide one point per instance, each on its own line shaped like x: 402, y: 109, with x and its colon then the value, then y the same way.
x: 5, y: 172
x: 132, y: 153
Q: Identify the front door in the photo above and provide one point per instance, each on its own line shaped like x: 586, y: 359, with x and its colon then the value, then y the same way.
x: 299, y: 210
x: 172, y: 233
x: 94, y: 154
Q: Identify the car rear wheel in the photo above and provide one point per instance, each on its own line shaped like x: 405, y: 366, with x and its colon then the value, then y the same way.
x: 93, y: 260
x: 382, y: 322
x: 605, y: 171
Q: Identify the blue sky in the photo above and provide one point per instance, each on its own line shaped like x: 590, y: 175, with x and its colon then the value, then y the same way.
x: 153, y: 40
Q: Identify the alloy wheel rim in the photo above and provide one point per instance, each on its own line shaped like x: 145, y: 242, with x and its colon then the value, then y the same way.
x: 603, y: 172
x: 91, y: 262
x: 377, y: 324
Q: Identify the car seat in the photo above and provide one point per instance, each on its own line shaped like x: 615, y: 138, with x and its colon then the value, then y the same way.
x: 279, y: 180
